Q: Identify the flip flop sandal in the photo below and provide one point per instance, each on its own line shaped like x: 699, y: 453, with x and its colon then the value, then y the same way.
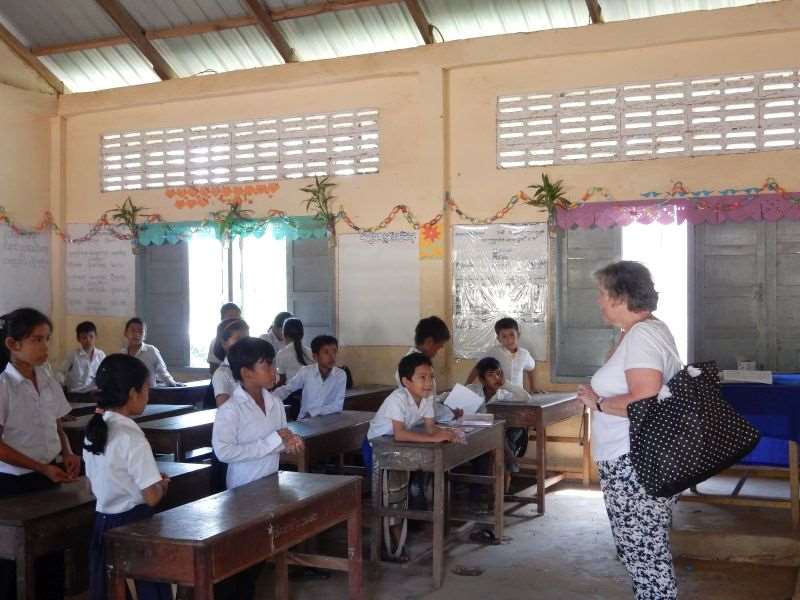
x: 484, y: 536
x: 467, y: 571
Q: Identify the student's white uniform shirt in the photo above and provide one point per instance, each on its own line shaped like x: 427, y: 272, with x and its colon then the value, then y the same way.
x: 152, y: 359
x: 320, y: 396
x: 277, y: 344
x: 399, y: 406
x: 212, y: 358
x: 246, y: 438
x: 124, y: 469
x: 79, y: 370
x: 443, y: 412
x: 286, y: 361
x: 513, y: 365
x: 28, y: 418
x: 222, y: 381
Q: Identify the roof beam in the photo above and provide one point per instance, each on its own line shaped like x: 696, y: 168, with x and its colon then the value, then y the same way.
x: 137, y: 37
x: 595, y: 11
x: 319, y: 8
x: 270, y: 29
x: 29, y: 59
x: 425, y: 28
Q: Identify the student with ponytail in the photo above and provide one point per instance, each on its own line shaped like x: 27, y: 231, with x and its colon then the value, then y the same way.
x: 295, y: 356
x: 120, y: 465
x: 32, y: 404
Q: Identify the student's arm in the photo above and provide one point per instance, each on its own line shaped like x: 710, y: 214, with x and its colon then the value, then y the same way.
x: 221, y: 399
x: 473, y: 375
x: 153, y: 494
x: 293, y: 442
x: 227, y: 446
x: 528, y: 381
x: 72, y: 461
x: 334, y: 400
x: 431, y: 434
x: 162, y: 373
x: 18, y: 459
x: 141, y: 466
x: 295, y: 383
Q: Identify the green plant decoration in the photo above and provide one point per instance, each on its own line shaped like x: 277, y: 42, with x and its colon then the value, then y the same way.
x: 320, y: 202
x: 550, y: 196
x: 229, y: 221
x: 129, y: 216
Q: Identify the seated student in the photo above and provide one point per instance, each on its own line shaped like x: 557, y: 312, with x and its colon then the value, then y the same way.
x: 275, y: 333
x: 228, y: 311
x: 323, y: 383
x: 229, y: 332
x: 80, y: 366
x: 120, y: 466
x: 249, y: 434
x: 32, y: 405
x: 401, y: 411
x: 294, y: 356
x: 135, y: 332
x: 517, y: 362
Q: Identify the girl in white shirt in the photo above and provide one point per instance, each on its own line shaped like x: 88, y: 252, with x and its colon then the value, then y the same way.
x: 120, y: 465
x: 295, y: 355
x: 135, y: 333
x: 275, y: 333
x: 229, y: 332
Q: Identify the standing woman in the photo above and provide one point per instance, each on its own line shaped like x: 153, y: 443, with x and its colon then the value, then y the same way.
x: 643, y: 361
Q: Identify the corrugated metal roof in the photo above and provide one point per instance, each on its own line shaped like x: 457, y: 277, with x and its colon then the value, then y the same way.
x: 329, y: 35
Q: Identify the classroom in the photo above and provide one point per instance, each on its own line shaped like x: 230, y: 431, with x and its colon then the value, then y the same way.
x: 390, y: 299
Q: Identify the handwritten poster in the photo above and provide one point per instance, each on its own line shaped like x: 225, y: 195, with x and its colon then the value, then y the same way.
x: 378, y: 288
x: 24, y: 271
x: 101, y: 275
x: 499, y: 271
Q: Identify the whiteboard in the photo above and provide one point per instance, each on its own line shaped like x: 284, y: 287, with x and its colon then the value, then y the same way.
x: 499, y: 271
x: 24, y: 271
x: 101, y: 275
x: 378, y: 288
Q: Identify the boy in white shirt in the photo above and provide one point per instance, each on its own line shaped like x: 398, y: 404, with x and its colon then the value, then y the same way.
x: 249, y: 434
x: 135, y: 332
x: 323, y: 383
x: 228, y: 311
x: 401, y: 411
x: 80, y: 367
x: 516, y: 361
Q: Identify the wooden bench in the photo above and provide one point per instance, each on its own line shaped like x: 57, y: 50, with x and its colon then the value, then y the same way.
x: 204, y: 542
x: 39, y: 523
x: 439, y: 459
x: 536, y: 415
x: 367, y: 397
x: 181, y: 434
x: 328, y: 436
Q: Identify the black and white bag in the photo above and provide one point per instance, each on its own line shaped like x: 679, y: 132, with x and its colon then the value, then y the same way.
x: 679, y: 441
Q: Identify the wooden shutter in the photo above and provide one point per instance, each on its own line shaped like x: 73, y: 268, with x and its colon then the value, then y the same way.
x: 787, y: 296
x: 310, y: 271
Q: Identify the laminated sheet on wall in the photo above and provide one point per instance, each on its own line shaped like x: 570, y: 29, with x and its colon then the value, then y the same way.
x: 378, y: 288
x: 24, y: 271
x: 499, y: 271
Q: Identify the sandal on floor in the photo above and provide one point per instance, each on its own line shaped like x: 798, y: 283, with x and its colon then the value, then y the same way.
x: 484, y: 536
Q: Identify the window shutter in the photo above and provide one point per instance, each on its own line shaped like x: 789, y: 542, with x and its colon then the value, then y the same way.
x: 310, y: 286
x: 787, y: 293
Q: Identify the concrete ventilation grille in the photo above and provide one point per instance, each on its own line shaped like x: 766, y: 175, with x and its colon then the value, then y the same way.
x: 341, y: 143
x: 710, y: 115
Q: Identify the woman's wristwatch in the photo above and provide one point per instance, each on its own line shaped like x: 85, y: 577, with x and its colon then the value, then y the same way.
x: 598, y: 404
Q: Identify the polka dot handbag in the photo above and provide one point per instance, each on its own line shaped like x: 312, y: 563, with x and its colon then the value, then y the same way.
x: 680, y: 441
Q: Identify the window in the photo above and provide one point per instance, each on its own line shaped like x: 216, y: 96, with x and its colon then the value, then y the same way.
x: 342, y: 143
x: 687, y: 117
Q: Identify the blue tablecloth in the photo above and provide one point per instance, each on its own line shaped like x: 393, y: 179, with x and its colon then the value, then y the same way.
x: 774, y: 410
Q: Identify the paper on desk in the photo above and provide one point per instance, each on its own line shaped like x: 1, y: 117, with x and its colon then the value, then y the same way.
x: 463, y: 398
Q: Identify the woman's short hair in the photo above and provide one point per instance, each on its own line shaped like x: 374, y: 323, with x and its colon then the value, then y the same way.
x: 632, y: 281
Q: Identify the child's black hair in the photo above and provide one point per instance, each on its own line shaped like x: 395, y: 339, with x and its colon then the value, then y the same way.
x: 279, y: 320
x: 18, y: 325
x: 409, y: 363
x: 431, y: 327
x: 506, y: 323
x: 116, y: 376
x: 247, y: 352
x: 486, y: 364
x: 321, y: 341
x: 226, y: 307
x: 293, y: 332
x: 225, y: 330
x: 135, y: 321
x: 85, y: 327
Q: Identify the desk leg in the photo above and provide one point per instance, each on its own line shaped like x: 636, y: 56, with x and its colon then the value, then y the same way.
x: 26, y: 575
x: 541, y: 465
x: 794, y: 482
x: 499, y: 487
x: 587, y: 447
x: 203, y: 584
x: 178, y: 448
x: 117, y: 585
x: 376, y: 523
x: 439, y: 518
x: 281, y: 577
x: 355, y: 565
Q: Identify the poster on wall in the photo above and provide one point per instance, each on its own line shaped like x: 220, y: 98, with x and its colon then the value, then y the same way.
x: 101, y: 275
x: 24, y: 271
x: 499, y: 271
x: 378, y: 288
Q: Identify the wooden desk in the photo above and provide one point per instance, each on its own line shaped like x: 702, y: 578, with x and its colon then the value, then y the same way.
x: 327, y: 436
x: 209, y: 540
x: 181, y: 434
x: 76, y: 427
x: 82, y: 408
x: 192, y: 393
x: 437, y: 459
x: 36, y: 524
x: 538, y: 413
x: 367, y: 397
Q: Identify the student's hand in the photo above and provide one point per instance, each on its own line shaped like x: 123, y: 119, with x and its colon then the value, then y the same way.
x: 177, y: 384
x: 292, y: 442
x: 164, y: 482
x: 55, y: 474
x: 457, y: 412
x: 445, y: 435
x: 72, y: 463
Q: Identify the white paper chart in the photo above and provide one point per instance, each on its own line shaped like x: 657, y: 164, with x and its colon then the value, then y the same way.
x: 499, y: 271
x: 24, y: 271
x: 101, y: 275
x: 378, y: 281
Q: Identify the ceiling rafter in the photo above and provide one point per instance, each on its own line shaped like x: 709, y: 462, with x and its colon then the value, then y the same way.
x: 421, y: 21
x: 270, y: 29
x: 595, y: 11
x: 32, y: 61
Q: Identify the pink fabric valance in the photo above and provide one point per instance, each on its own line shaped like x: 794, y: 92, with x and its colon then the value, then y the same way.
x: 711, y: 209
